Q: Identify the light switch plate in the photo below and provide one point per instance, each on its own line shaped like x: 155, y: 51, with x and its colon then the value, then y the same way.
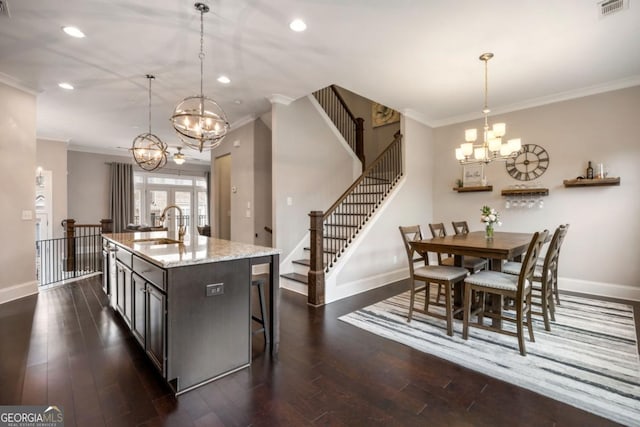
x: 27, y: 215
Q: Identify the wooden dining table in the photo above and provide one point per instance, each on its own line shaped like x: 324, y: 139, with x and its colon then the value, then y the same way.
x: 503, y: 246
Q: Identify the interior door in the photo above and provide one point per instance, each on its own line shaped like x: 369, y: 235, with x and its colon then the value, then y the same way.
x: 222, y: 166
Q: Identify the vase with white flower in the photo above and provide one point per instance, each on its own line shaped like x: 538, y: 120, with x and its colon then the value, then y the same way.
x: 490, y: 218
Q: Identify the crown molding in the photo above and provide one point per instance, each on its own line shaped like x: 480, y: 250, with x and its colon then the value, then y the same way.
x: 243, y: 121
x: 10, y: 81
x: 417, y: 116
x: 277, y: 98
x: 546, y: 100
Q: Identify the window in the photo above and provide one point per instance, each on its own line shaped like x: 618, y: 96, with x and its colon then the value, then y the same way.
x: 153, y: 193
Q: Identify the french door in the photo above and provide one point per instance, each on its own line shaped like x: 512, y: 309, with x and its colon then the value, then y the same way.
x: 159, y: 199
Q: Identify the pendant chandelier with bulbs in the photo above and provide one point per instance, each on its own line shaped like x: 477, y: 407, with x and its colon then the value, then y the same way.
x: 200, y: 121
x: 149, y: 152
x: 492, y: 148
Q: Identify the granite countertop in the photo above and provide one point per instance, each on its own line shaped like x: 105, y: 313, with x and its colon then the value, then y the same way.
x: 194, y: 249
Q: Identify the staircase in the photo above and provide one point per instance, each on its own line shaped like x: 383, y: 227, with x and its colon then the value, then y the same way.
x: 331, y: 232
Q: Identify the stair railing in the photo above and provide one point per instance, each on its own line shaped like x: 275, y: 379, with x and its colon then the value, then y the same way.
x: 350, y: 126
x: 332, y: 231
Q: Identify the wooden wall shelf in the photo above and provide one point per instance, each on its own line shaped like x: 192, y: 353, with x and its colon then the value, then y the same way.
x: 591, y: 182
x: 473, y: 189
x: 525, y: 191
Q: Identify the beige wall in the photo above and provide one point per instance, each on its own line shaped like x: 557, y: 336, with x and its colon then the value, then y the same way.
x: 239, y: 143
x: 602, y: 248
x: 311, y: 168
x: 250, y: 150
x: 88, y: 183
x: 262, y: 184
x: 377, y: 256
x: 17, y: 192
x: 375, y: 139
x: 52, y: 156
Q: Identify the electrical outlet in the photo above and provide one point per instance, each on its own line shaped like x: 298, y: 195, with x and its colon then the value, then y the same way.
x: 395, y: 259
x: 215, y: 289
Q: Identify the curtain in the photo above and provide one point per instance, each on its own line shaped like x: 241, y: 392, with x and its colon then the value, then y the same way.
x: 207, y: 180
x: 121, y: 195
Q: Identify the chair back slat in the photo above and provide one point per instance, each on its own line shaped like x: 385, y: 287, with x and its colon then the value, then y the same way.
x: 529, y: 262
x: 460, y: 227
x: 550, y: 264
x: 409, y: 234
x: 438, y: 230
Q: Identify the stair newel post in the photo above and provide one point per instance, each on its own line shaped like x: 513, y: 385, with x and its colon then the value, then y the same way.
x: 106, y: 225
x: 70, y: 244
x: 360, y: 140
x: 316, y: 268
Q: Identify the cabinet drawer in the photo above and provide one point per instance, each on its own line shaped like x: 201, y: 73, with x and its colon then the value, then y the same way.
x: 124, y: 256
x: 150, y: 272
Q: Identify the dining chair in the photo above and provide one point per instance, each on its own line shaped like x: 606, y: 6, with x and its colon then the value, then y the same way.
x: 501, y: 285
x: 545, y: 277
x: 460, y: 227
x: 471, y: 263
x: 443, y: 276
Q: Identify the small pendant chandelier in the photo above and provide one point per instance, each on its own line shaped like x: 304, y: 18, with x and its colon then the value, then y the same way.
x: 200, y: 121
x: 149, y: 152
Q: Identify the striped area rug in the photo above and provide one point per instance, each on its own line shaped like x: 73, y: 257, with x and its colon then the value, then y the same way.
x: 588, y: 360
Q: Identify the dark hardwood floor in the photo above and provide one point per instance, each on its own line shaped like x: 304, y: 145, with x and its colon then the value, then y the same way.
x: 66, y: 347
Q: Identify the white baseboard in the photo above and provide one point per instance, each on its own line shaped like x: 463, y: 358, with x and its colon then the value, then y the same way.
x: 18, y: 291
x: 345, y: 290
x: 612, y: 290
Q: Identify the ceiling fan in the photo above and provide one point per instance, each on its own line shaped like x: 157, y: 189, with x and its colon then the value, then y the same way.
x: 178, y: 156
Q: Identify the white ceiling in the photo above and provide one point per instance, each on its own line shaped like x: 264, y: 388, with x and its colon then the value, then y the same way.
x: 417, y: 56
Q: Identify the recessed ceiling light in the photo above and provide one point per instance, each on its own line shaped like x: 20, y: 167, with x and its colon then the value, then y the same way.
x: 67, y: 86
x: 224, y: 79
x: 73, y: 32
x: 297, y: 25
x: 237, y: 101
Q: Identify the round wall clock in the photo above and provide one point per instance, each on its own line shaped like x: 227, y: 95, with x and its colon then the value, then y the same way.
x: 532, y: 162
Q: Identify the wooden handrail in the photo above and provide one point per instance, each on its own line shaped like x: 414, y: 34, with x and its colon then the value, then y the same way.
x: 361, y: 178
x: 349, y: 126
x: 342, y: 101
x: 330, y: 233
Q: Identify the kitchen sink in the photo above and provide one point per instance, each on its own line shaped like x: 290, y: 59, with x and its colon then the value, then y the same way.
x: 157, y: 241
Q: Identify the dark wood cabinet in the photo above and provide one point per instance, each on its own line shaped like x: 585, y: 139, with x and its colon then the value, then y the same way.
x: 148, y: 322
x: 123, y: 298
x: 139, y: 296
x: 156, y: 342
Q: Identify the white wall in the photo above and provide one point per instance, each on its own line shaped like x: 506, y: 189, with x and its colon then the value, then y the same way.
x: 310, y: 166
x: 602, y: 249
x: 17, y: 192
x: 378, y: 257
x: 51, y: 155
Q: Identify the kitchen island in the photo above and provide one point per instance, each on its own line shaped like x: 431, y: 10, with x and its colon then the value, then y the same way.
x: 188, y: 303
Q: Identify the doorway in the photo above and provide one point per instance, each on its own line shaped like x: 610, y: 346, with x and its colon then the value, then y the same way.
x: 222, y: 166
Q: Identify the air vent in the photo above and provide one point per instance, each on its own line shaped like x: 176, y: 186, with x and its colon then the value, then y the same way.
x: 609, y: 7
x: 4, y: 8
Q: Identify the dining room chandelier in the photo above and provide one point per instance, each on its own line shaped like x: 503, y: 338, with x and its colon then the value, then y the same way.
x: 149, y: 152
x: 199, y: 120
x: 491, y: 148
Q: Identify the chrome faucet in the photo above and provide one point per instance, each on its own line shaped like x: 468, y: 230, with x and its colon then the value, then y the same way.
x: 181, y: 228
